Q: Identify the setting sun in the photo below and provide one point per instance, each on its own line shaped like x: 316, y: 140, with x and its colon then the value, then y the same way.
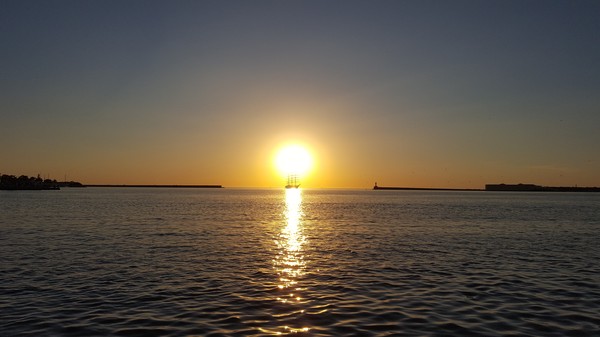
x: 293, y: 160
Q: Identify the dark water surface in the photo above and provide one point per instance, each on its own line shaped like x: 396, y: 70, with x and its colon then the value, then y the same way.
x: 235, y: 262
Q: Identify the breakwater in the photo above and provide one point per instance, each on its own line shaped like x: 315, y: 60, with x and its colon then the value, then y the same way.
x: 163, y: 186
x: 538, y: 188
x: 376, y: 187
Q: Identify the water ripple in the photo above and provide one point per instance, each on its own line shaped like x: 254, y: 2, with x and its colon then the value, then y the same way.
x: 338, y: 263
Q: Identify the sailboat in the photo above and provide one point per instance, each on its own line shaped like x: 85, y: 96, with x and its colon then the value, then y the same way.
x: 292, y: 181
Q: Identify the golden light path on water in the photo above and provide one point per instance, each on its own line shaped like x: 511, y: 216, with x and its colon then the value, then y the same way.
x: 289, y: 262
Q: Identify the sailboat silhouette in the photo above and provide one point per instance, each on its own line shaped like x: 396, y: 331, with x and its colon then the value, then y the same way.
x: 292, y: 181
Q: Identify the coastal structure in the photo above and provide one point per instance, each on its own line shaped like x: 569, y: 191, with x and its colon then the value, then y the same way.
x: 153, y: 186
x: 397, y: 188
x: 537, y: 188
x: 498, y: 188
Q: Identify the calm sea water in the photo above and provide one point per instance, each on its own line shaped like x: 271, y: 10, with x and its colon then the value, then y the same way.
x: 236, y: 262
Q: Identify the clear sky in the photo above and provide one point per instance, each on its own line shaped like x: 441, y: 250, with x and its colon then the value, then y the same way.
x: 405, y: 93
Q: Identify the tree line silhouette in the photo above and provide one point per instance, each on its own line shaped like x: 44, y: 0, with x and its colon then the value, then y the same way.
x: 23, y: 182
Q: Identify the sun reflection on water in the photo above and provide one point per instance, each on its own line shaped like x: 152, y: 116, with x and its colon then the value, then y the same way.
x: 290, y: 266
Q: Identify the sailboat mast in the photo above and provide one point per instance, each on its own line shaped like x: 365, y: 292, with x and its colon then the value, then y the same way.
x: 292, y: 181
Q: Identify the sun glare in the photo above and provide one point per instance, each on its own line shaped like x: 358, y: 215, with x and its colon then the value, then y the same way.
x: 293, y: 160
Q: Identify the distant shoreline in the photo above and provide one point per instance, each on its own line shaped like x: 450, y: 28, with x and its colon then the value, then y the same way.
x: 161, y: 186
x: 537, y: 188
x: 393, y: 188
x: 498, y: 188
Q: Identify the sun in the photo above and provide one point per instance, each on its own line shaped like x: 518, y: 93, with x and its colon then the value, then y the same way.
x: 293, y: 160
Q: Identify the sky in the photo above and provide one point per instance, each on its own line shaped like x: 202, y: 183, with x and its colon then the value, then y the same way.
x: 452, y: 94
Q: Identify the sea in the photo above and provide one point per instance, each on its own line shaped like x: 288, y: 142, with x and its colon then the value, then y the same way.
x: 308, y: 262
